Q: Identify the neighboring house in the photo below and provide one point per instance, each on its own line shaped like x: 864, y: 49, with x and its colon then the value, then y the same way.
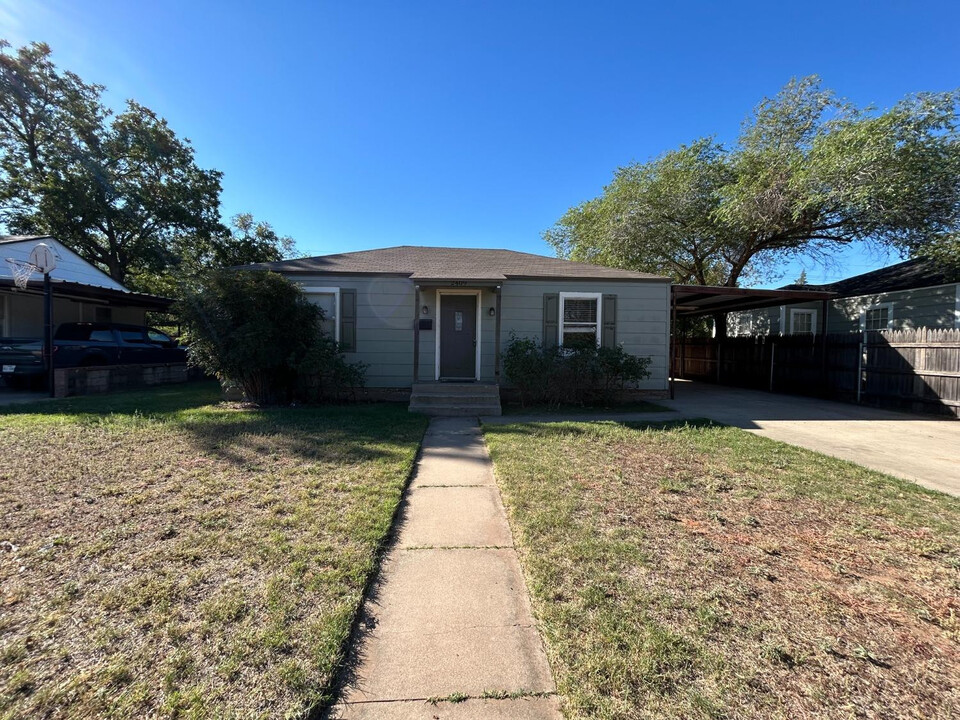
x: 81, y: 292
x: 422, y: 314
x: 911, y: 294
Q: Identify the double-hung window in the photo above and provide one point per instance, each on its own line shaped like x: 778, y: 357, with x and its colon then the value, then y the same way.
x: 877, y: 317
x: 803, y: 322
x: 580, y: 319
x: 328, y: 300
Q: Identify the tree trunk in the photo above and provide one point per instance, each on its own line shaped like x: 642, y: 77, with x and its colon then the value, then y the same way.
x: 720, y: 325
x: 116, y: 269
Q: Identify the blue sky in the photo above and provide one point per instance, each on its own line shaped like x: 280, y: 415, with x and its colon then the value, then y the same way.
x: 351, y: 125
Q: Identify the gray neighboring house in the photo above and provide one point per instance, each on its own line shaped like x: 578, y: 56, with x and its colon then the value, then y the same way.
x: 427, y: 314
x: 911, y: 294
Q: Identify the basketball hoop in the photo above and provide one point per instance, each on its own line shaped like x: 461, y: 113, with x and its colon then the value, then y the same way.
x: 43, y: 260
x: 21, y: 271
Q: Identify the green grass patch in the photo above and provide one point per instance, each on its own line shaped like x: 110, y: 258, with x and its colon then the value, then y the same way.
x: 698, y: 571
x: 167, y: 555
x: 637, y: 406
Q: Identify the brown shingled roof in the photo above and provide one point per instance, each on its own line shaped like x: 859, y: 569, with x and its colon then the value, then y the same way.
x: 436, y: 263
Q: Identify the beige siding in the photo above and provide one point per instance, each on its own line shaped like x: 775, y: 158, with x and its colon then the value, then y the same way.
x: 643, y: 316
x: 384, y: 324
x: 385, y: 318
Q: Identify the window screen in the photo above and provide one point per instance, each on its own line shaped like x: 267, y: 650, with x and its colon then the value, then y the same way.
x: 877, y: 318
x: 579, y: 326
x: 802, y: 323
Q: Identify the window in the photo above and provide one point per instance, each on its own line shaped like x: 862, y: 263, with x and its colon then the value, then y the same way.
x: 328, y: 300
x: 579, y: 319
x: 103, y: 314
x: 132, y: 336
x: 3, y: 315
x: 877, y: 317
x: 803, y: 322
x: 155, y: 336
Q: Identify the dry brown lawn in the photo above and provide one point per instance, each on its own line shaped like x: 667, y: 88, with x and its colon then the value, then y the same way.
x: 167, y: 556
x: 703, y: 572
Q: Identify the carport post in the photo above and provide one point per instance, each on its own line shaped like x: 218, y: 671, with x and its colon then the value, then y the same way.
x: 773, y: 352
x: 824, y: 380
x: 48, y: 331
x: 673, y: 339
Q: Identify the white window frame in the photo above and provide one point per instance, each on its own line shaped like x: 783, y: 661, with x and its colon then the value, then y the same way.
x: 956, y: 311
x: 581, y: 296
x: 876, y: 306
x: 803, y: 311
x: 477, y: 337
x: 335, y: 291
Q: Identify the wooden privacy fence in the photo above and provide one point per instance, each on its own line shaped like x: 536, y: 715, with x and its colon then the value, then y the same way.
x: 916, y: 370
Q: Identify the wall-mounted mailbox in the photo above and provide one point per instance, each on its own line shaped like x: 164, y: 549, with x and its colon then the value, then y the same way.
x: 426, y: 323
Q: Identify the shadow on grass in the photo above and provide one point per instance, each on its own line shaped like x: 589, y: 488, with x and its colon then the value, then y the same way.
x: 156, y: 401
x: 345, y: 434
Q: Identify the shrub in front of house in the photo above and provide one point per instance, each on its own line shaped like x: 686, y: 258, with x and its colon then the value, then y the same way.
x: 582, y: 375
x: 258, y: 331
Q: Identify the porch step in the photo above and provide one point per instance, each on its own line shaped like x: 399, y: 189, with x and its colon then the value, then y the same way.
x: 455, y: 399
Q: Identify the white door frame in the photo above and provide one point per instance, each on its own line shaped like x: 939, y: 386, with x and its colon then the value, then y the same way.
x: 479, y: 296
x: 335, y: 291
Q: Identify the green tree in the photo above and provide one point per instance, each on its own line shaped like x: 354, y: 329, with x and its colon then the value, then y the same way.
x: 246, y: 241
x: 801, y: 278
x: 809, y: 173
x: 259, y: 331
x: 119, y: 190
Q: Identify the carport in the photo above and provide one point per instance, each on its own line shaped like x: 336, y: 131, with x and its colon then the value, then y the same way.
x: 692, y: 301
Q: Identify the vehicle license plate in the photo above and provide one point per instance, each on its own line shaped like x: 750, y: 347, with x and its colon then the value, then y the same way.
x: 9, y: 368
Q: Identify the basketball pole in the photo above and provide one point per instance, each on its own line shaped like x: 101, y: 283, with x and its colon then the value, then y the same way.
x: 48, y: 330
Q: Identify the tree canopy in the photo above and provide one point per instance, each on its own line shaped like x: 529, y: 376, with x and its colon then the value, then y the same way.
x: 123, y: 191
x: 808, y: 173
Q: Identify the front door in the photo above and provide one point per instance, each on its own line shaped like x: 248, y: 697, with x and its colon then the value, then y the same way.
x: 458, y: 337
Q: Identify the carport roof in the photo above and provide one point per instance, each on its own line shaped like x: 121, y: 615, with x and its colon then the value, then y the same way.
x: 696, y: 300
x: 94, y: 292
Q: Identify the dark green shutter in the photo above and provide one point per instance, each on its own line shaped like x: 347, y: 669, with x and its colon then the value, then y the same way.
x: 551, y: 319
x: 348, y: 320
x: 608, y: 336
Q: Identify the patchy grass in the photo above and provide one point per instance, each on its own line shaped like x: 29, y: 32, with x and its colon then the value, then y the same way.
x: 697, y: 571
x: 634, y: 406
x: 164, y: 555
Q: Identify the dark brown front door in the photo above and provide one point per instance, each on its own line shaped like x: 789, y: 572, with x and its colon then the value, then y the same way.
x: 458, y: 337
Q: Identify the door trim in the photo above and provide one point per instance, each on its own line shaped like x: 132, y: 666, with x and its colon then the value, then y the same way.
x: 440, y: 294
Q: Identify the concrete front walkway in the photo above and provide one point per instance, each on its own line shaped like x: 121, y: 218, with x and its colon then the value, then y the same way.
x: 449, y: 614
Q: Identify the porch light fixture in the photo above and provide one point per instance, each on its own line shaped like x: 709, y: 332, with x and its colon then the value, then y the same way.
x: 425, y: 310
x: 491, y: 312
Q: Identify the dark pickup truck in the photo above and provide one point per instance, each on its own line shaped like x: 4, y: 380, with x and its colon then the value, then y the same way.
x: 87, y: 345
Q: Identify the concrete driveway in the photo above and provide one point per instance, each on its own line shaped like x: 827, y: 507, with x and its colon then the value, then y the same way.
x: 914, y: 447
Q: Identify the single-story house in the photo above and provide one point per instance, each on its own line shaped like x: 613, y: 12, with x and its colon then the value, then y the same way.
x: 427, y: 314
x: 81, y: 292
x: 912, y: 294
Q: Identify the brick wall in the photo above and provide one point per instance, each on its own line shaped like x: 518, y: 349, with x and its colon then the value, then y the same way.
x: 92, y: 380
